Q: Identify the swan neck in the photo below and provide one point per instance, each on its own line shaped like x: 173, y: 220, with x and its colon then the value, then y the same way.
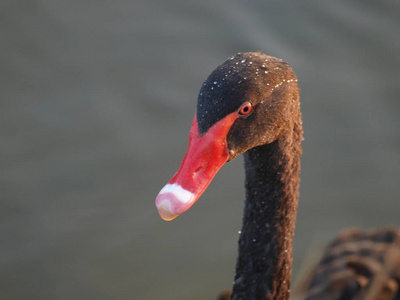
x: 263, y: 269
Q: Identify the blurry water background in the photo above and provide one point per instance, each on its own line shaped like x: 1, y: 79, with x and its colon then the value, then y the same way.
x: 97, y: 98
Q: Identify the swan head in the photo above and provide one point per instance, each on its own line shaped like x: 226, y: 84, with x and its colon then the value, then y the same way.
x: 245, y: 102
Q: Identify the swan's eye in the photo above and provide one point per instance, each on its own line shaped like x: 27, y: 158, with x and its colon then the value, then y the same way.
x: 245, y: 109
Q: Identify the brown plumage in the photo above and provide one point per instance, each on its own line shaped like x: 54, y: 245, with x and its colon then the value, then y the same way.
x: 357, y: 265
x: 250, y: 105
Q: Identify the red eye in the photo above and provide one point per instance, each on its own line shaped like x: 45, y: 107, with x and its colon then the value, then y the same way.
x: 246, y: 108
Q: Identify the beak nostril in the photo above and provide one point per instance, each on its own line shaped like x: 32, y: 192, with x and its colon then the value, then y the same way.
x: 200, y: 168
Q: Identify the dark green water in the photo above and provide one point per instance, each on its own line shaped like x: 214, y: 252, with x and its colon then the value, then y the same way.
x: 96, y: 102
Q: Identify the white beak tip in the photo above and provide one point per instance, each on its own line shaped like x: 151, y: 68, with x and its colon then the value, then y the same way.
x: 165, y: 210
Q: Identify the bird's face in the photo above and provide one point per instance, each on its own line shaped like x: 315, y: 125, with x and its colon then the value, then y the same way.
x: 238, y: 108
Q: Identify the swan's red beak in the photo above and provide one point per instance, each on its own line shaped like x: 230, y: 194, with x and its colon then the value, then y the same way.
x: 206, y: 154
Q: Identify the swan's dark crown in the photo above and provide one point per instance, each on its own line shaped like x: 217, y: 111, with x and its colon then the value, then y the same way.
x: 250, y: 76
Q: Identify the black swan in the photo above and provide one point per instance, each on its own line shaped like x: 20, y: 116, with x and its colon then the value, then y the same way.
x: 250, y: 105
